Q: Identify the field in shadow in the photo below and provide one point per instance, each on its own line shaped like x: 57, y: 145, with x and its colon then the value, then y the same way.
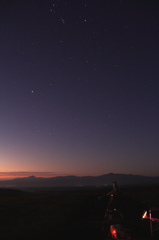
x: 72, y: 213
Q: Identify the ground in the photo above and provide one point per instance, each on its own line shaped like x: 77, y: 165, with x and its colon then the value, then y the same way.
x: 69, y: 213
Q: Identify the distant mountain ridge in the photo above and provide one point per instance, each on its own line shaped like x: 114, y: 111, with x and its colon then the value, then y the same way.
x: 73, y: 181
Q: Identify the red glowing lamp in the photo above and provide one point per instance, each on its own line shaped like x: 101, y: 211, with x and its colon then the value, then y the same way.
x: 114, y: 233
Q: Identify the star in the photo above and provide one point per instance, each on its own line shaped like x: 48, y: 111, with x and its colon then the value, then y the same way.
x: 63, y: 20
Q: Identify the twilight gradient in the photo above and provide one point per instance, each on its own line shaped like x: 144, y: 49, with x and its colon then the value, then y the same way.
x: 79, y: 89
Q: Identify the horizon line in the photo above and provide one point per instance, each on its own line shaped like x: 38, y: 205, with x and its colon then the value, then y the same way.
x: 22, y: 174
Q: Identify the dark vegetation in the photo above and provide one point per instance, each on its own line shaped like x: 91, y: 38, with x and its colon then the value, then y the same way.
x: 69, y: 213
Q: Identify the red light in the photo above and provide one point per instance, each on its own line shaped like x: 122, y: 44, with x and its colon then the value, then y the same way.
x: 114, y: 233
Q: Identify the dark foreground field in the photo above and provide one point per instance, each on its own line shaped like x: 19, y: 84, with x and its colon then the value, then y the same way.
x: 72, y: 214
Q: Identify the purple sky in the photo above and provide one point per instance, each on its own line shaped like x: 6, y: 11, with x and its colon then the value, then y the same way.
x: 79, y: 89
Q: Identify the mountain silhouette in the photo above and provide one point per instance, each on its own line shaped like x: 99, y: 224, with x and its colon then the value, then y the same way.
x: 74, y: 181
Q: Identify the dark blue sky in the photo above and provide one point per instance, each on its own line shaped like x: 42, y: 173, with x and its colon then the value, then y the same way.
x: 79, y: 87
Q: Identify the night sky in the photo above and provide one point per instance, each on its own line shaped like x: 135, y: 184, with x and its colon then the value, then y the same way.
x: 79, y: 87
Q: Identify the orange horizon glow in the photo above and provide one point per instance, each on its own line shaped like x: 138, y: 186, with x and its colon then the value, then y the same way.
x: 4, y: 178
x: 12, y: 175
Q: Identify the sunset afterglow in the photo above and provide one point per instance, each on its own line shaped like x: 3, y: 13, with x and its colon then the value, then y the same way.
x: 79, y: 91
